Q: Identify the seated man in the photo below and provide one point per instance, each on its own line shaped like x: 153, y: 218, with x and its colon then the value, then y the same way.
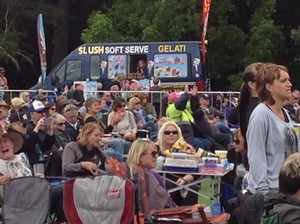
x: 285, y: 205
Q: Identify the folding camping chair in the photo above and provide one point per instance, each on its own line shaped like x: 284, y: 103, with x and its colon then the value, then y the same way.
x: 193, y: 214
x: 26, y: 200
x: 104, y: 199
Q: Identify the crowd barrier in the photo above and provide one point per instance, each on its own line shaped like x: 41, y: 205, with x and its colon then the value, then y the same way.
x: 230, y: 96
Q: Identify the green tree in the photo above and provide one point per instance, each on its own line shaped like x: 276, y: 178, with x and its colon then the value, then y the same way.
x: 100, y: 29
x: 226, y: 44
x: 266, y: 40
x: 139, y: 20
x: 18, y: 23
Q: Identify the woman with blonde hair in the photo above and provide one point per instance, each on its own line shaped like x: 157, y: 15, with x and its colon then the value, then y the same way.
x: 141, y: 119
x: 169, y: 136
x: 25, y: 96
x: 16, y: 104
x: 141, y: 159
x: 84, y: 157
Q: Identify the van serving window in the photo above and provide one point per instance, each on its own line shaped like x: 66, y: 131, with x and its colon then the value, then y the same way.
x: 73, y: 70
x: 170, y: 65
x: 95, y: 66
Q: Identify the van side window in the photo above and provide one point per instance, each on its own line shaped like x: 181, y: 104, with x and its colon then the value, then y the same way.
x: 95, y: 65
x: 60, y: 73
x: 116, y: 65
x: 171, y: 65
x: 73, y: 70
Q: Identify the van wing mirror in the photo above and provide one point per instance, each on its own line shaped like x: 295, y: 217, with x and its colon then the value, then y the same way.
x: 54, y: 79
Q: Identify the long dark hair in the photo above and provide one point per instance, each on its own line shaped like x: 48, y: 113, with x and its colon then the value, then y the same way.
x: 245, y: 95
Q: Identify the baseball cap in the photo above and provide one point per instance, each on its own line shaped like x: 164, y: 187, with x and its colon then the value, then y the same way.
x: 19, y: 117
x: 36, y: 106
x: 205, y: 96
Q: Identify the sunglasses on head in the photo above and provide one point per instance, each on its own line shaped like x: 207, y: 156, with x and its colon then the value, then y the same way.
x: 171, y: 132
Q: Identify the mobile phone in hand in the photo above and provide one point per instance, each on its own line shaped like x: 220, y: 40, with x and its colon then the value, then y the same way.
x: 48, y: 120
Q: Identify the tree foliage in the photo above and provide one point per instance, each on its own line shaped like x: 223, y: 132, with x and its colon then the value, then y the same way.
x: 239, y: 32
x: 100, y: 29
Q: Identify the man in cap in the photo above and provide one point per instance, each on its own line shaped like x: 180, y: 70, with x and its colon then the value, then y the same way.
x: 73, y: 124
x: 19, y: 121
x: 205, y: 105
x: 40, y: 136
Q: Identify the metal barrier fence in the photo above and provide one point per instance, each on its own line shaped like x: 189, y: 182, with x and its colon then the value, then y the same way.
x: 11, y: 93
x: 230, y: 96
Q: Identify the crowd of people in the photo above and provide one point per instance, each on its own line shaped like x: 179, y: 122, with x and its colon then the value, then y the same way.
x: 71, y: 137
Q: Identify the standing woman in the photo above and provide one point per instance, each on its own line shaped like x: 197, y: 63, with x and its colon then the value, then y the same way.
x: 248, y: 99
x: 270, y: 137
x: 84, y: 157
x: 270, y: 132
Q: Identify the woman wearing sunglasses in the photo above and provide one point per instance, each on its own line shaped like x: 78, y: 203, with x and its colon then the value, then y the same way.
x: 141, y: 119
x: 241, y: 162
x: 126, y: 127
x: 168, y: 135
x: 142, y: 157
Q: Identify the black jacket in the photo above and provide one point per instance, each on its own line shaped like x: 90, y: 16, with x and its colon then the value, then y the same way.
x: 36, y: 144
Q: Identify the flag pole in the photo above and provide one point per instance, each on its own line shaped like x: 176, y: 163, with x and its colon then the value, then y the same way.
x: 42, y: 47
x: 205, y: 15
